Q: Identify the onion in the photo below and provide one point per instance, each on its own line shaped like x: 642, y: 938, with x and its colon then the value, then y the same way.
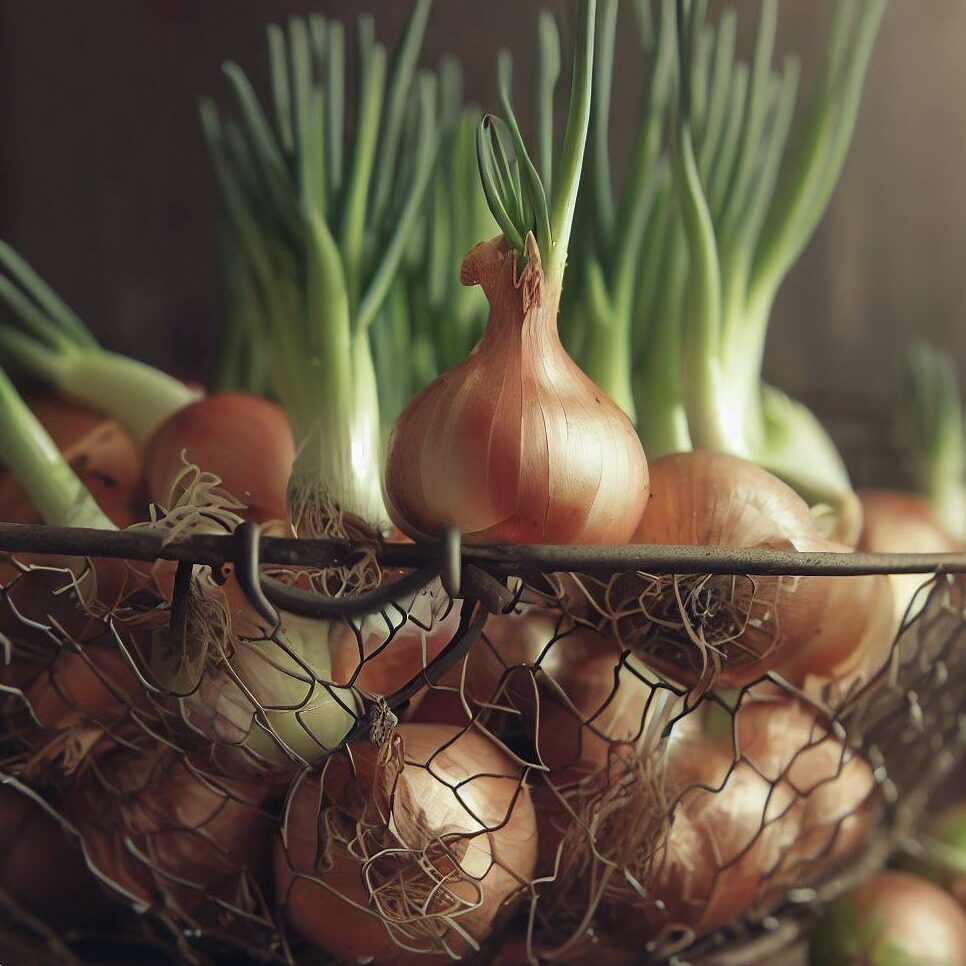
x: 66, y: 421
x: 41, y: 868
x: 392, y: 647
x: 562, y: 463
x: 893, y: 918
x: 716, y: 820
x: 166, y: 834
x: 421, y: 854
x: 82, y: 696
x: 731, y: 630
x: 895, y: 522
x: 242, y: 439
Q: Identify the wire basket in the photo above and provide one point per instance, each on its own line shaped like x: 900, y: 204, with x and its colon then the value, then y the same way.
x: 506, y: 754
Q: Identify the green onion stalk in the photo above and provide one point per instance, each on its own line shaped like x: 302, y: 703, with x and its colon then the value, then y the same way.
x: 746, y: 225
x: 527, y: 202
x: 322, y: 221
x: 42, y: 337
x: 603, y: 298
x: 56, y: 491
x: 430, y: 318
x: 241, y: 361
x: 933, y: 431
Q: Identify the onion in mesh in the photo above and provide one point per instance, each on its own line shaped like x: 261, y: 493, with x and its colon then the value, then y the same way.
x: 730, y: 630
x: 420, y: 853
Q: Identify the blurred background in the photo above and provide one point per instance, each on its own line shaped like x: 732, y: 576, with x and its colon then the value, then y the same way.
x: 105, y: 185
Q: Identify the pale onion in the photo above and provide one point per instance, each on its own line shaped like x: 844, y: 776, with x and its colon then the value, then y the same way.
x: 516, y: 443
x: 416, y: 859
x: 732, y: 630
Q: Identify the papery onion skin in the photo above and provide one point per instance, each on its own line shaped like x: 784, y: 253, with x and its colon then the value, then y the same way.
x: 516, y: 444
x: 893, y: 918
x: 243, y: 439
x: 422, y: 808
x: 800, y: 626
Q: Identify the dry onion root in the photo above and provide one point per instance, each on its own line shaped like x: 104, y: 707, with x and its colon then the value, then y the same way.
x: 419, y: 855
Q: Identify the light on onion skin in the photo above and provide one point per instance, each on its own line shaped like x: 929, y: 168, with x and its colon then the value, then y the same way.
x: 451, y: 848
x: 732, y: 630
x: 894, y: 918
x: 563, y: 463
x: 157, y: 829
x: 41, y: 868
x: 242, y: 439
x: 896, y: 522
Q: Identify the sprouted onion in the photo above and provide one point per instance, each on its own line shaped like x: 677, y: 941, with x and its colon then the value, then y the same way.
x: 561, y: 462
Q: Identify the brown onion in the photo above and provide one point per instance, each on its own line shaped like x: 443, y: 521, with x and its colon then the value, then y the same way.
x: 895, y: 522
x: 243, y: 439
x: 732, y: 630
x: 516, y: 443
x: 419, y: 856
x: 729, y: 817
x: 165, y: 833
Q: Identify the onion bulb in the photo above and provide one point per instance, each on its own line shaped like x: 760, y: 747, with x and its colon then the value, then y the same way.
x: 731, y: 630
x: 516, y: 444
x: 891, y: 919
x: 242, y: 439
x: 656, y: 849
x: 66, y: 421
x: 420, y: 855
x: 895, y: 522
x: 166, y: 834
x: 79, y: 699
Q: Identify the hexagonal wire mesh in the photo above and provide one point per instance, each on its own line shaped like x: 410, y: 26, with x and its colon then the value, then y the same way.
x: 600, y: 769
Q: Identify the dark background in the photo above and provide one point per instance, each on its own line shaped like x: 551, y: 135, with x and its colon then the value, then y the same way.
x: 105, y: 186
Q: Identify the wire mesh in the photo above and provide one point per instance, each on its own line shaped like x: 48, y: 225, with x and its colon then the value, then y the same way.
x: 621, y: 765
